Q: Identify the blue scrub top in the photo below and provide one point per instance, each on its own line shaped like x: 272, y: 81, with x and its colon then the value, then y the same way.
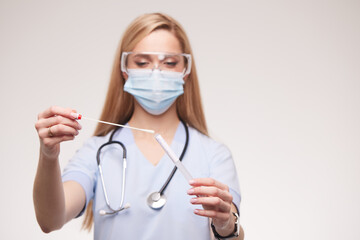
x: 176, y: 220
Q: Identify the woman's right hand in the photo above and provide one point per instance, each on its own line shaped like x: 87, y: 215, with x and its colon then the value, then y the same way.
x: 55, y: 125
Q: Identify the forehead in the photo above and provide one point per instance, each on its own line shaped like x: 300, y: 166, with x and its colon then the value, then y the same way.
x: 159, y: 41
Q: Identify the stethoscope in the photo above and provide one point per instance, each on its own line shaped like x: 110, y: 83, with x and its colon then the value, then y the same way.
x: 155, y: 200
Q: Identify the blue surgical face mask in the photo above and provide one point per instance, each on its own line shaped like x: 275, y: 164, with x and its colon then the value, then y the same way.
x: 154, y: 90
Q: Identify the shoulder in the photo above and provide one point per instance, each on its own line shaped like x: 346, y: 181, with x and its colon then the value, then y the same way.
x: 210, y: 146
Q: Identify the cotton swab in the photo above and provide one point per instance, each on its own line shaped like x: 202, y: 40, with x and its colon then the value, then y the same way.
x: 79, y: 116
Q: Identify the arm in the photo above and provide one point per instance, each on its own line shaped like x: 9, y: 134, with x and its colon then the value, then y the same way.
x: 55, y: 203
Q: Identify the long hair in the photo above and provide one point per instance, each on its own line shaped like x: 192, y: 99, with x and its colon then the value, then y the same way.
x: 119, y: 105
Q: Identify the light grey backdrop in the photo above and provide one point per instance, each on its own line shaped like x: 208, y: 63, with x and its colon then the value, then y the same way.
x: 280, y: 82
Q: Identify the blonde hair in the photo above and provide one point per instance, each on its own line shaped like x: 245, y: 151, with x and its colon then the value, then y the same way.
x: 119, y: 105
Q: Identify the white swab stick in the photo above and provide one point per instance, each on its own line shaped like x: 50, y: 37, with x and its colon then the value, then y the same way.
x: 79, y: 116
x: 173, y: 157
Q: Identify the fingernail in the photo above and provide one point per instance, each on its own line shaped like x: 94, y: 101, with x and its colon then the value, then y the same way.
x: 192, y: 181
x: 196, y: 211
x: 80, y: 127
x: 193, y: 200
x: 74, y: 115
x: 190, y: 191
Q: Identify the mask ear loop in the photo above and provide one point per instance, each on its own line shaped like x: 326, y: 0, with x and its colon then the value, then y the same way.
x: 184, y: 73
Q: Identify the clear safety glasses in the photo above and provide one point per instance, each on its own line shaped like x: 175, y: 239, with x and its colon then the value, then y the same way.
x: 180, y: 62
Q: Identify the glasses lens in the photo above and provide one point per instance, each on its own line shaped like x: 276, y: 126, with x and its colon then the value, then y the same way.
x: 162, y: 61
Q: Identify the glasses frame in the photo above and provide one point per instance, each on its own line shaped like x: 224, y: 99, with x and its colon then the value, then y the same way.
x: 187, y: 56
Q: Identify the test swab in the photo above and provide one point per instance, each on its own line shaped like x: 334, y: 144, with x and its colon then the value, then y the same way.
x: 79, y: 116
x: 173, y: 157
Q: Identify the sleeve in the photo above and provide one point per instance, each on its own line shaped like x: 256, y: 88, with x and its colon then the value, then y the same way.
x: 223, y: 169
x: 82, y: 168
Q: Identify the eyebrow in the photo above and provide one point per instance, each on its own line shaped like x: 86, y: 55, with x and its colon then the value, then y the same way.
x: 141, y: 55
x: 149, y: 57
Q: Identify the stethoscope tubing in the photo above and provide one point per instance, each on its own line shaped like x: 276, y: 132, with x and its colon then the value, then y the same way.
x: 102, y: 176
x: 161, y: 191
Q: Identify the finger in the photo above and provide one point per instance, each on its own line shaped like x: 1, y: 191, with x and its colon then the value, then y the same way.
x: 55, y: 110
x: 58, y: 130
x: 212, y: 214
x: 48, y: 122
x: 211, y: 191
x: 50, y: 142
x: 208, y: 182
x: 212, y: 203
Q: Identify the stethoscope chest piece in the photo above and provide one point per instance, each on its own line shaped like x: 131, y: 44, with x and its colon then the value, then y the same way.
x: 156, y: 200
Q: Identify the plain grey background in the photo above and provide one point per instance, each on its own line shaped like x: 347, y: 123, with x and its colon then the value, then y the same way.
x: 280, y: 82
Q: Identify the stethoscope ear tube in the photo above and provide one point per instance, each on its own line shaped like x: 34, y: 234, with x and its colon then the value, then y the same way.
x: 106, y: 144
x: 103, y: 212
x: 121, y: 207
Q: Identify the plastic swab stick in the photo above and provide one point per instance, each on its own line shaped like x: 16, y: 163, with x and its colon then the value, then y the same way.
x: 173, y: 157
x: 79, y: 116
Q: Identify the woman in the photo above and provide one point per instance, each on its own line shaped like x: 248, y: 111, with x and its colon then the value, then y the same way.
x: 154, y: 86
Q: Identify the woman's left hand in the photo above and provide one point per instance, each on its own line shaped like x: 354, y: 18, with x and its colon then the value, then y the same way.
x: 216, y: 200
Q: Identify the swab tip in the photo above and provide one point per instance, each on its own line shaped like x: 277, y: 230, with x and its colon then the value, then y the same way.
x: 77, y: 116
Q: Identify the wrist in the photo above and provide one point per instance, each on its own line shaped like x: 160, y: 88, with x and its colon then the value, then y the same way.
x: 225, y: 228
x: 230, y: 230
x: 48, y: 160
